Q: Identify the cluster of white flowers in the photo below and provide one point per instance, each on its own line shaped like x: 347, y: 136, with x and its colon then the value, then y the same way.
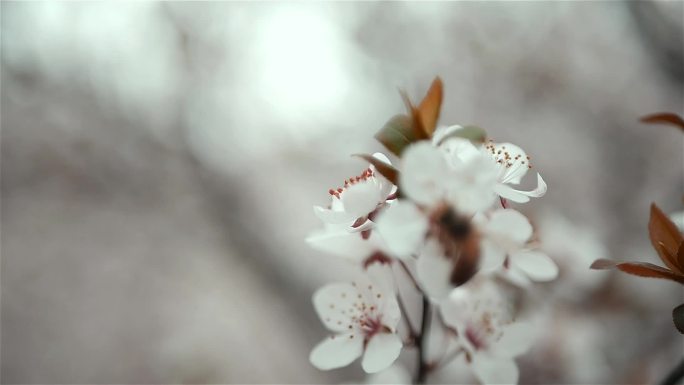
x: 447, y: 223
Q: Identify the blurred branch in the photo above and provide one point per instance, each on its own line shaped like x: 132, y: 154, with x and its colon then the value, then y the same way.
x: 675, y: 376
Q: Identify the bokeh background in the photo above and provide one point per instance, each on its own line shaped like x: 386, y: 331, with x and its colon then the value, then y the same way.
x: 160, y: 161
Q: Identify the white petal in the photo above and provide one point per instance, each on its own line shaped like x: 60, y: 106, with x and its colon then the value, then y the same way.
x: 540, y: 190
x: 494, y: 370
x: 382, y: 279
x: 538, y: 266
x: 516, y: 339
x: 360, y: 199
x: 454, y: 308
x: 336, y: 351
x: 434, y: 272
x: 403, y: 228
x: 519, y: 196
x: 518, y: 170
x: 395, y: 375
x: 343, y: 244
x: 516, y: 277
x: 333, y: 216
x: 491, y: 256
x: 334, y: 304
x: 382, y: 350
x: 442, y: 132
x: 510, y: 193
x: 510, y: 224
x: 423, y: 170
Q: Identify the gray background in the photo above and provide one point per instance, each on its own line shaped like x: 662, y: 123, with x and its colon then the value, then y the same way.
x: 160, y: 161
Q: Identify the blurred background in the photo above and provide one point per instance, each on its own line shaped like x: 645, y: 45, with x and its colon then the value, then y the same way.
x: 160, y: 162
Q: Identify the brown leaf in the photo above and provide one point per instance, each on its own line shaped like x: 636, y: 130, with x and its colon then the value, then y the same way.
x: 431, y: 105
x: 668, y: 118
x: 416, y: 122
x: 665, y: 238
x: 603, y: 264
x: 385, y: 169
x: 649, y: 270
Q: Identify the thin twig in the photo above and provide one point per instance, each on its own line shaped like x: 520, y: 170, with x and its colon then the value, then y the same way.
x: 675, y: 376
x: 423, y: 365
x: 410, y: 275
x: 412, y: 332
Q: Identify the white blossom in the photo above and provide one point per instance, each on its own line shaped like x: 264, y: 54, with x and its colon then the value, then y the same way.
x: 363, y: 317
x: 504, y: 242
x: 489, y: 338
x: 357, y: 198
x: 348, y: 220
x: 511, y: 161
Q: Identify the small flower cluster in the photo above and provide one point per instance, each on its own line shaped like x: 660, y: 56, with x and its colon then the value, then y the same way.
x: 440, y: 216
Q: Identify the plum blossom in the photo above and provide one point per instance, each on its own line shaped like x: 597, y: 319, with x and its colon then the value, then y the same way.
x: 487, y: 335
x: 448, y: 191
x: 363, y: 316
x: 430, y: 177
x: 348, y: 220
x: 511, y: 161
x: 352, y: 204
x: 504, y: 238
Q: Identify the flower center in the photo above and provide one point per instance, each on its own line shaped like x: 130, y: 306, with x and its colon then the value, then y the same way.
x: 482, y: 331
x: 365, y: 176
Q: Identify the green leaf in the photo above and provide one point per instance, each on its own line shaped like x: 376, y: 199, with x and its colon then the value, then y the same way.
x: 678, y: 317
x: 385, y: 169
x: 473, y: 133
x: 397, y: 134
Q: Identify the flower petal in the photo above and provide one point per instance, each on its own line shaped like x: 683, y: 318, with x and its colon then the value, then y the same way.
x: 343, y: 243
x: 336, y: 351
x: 382, y: 350
x: 516, y: 339
x: 491, y: 256
x: 510, y: 224
x: 423, y: 170
x: 403, y: 228
x: 333, y: 302
x: 494, y: 370
x: 454, y: 308
x: 333, y: 217
x: 537, y: 265
x: 508, y: 192
x: 395, y: 374
x: 516, y: 169
x: 360, y: 199
x: 434, y: 271
x: 519, y: 196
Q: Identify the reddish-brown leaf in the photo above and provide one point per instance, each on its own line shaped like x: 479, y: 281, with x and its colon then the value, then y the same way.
x: 665, y: 238
x: 386, y: 169
x: 603, y: 264
x: 649, y: 270
x: 668, y: 118
x: 418, y: 130
x: 431, y: 105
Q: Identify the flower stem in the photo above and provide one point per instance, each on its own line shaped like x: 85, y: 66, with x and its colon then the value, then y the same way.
x: 409, y: 325
x: 423, y: 365
x: 675, y: 376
